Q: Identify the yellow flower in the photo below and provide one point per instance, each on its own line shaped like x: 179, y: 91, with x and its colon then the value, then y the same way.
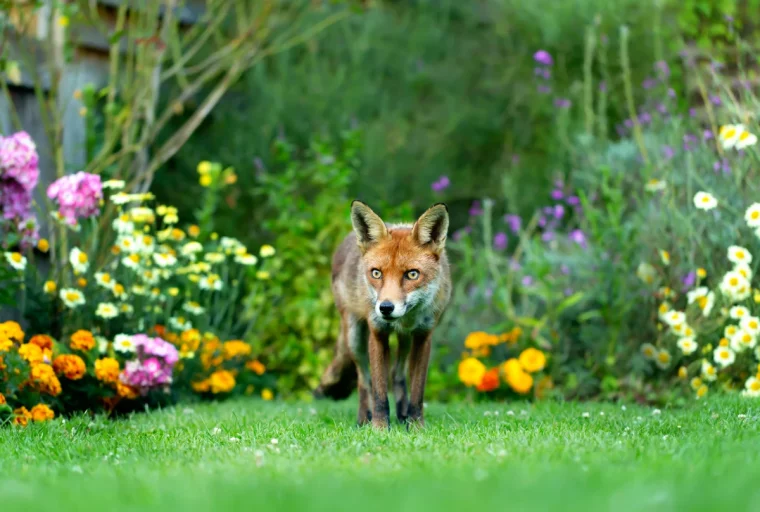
x: 256, y: 367
x: 263, y: 275
x: 45, y: 380
x: 43, y: 245
x: 701, y: 273
x: 479, y: 339
x: 42, y: 340
x: 205, y: 180
x: 21, y: 416
x: 521, y: 382
x: 126, y: 391
x: 532, y: 360
x: 702, y: 391
x: 267, y: 394
x: 266, y: 251
x: 683, y: 372
x: 194, y: 231
x: 107, y: 370
x: 201, y: 386
x: 42, y: 412
x: 11, y: 330
x: 665, y: 257
x: 221, y: 381
x: 204, y: 167
x: 63, y: 21
x: 81, y: 282
x: 235, y: 348
x: 82, y: 340
x: 31, y: 353
x: 471, y: 371
x: 49, y: 287
x: 662, y: 359
x: 72, y: 367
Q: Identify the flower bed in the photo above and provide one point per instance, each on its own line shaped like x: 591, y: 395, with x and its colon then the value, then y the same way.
x: 135, y: 310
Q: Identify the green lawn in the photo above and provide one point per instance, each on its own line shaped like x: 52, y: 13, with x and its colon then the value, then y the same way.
x: 252, y: 455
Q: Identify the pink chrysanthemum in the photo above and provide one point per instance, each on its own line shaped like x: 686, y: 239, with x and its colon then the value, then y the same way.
x: 78, y: 195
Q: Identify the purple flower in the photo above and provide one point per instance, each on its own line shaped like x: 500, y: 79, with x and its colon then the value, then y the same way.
x: 460, y: 233
x: 722, y: 165
x: 689, y: 280
x: 579, y: 237
x: 628, y: 123
x: 645, y: 118
x: 662, y: 69
x: 542, y: 221
x: 442, y: 184
x: 662, y: 109
x: 707, y: 135
x: 476, y: 209
x: 547, y: 236
x: 514, y: 222
x: 568, y: 292
x: 19, y: 174
x: 692, y: 112
x: 715, y: 100
x: 648, y: 83
x: 514, y: 265
x: 667, y: 152
x: 557, y: 194
x: 573, y: 201
x: 500, y: 241
x: 78, y: 195
x: 564, y: 269
x: 671, y: 93
x: 527, y: 281
x: 543, y: 57
x: 559, y: 211
x: 544, y: 89
x: 563, y: 103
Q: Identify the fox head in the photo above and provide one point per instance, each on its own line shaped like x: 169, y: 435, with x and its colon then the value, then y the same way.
x: 401, y: 263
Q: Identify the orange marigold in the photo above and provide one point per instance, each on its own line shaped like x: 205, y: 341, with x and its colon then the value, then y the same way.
x: 11, y: 330
x: 126, y: 391
x: 532, y: 360
x: 42, y: 412
x: 31, y: 353
x: 44, y: 379
x: 471, y: 371
x: 221, y: 381
x: 21, y: 416
x: 2, y: 399
x: 107, y: 370
x: 72, y: 367
x: 201, y: 386
x: 235, y: 348
x: 42, y: 340
x: 256, y: 367
x: 82, y: 340
x: 490, y: 380
x: 479, y: 339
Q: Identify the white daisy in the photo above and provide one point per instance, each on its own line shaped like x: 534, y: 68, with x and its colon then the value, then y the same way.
x: 190, y: 249
x: 150, y: 277
x: 126, y: 309
x: 146, y: 243
x: 724, y: 356
x: 16, y: 260
x: 79, y: 260
x: 193, y: 308
x: 662, y: 359
x: 164, y: 259
x: 105, y: 280
x: 114, y: 184
x: 214, y: 257
x: 663, y: 310
x: 674, y: 318
x: 709, y: 372
x: 729, y: 134
x: 102, y: 344
x: 655, y: 185
x: 139, y: 289
x: 734, y: 286
x: 746, y: 139
x: 738, y: 255
x: 72, y: 298
x: 266, y: 251
x: 730, y: 331
x: 107, y: 310
x: 211, y: 282
x: 738, y: 312
x: 707, y: 303
x: 744, y: 270
x: 750, y: 324
x: 123, y: 343
x: 132, y: 261
x: 246, y: 259
x: 742, y: 341
x: 705, y: 201
x: 752, y: 215
x: 752, y: 387
x: 696, y: 293
x: 231, y: 245
x: 687, y: 345
x: 123, y: 225
x: 648, y: 351
x: 127, y: 244
x: 180, y: 323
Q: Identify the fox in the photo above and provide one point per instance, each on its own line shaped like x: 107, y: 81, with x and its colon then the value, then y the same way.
x: 387, y: 278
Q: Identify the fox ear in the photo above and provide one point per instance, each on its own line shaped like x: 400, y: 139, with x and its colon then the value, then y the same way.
x: 368, y: 226
x: 432, y: 227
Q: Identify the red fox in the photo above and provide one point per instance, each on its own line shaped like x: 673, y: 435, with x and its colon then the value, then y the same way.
x: 385, y: 279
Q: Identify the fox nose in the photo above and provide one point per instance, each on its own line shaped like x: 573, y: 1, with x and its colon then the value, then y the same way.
x: 386, y: 308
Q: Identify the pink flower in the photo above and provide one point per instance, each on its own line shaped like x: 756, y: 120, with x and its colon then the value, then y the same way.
x: 78, y: 195
x: 154, y: 364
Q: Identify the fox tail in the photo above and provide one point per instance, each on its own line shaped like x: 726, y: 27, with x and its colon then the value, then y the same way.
x: 339, y: 379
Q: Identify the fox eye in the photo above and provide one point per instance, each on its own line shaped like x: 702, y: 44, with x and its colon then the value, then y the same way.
x: 413, y: 275
x: 376, y: 274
